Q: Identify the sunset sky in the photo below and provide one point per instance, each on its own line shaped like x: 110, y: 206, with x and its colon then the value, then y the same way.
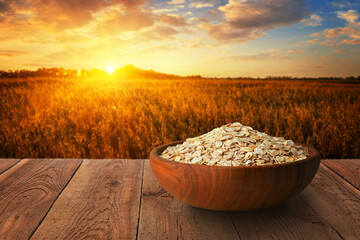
x: 185, y: 37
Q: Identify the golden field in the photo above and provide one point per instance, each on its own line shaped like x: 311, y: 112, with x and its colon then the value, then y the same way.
x: 95, y: 118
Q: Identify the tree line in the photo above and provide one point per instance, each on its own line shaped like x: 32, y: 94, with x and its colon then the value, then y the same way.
x: 130, y: 71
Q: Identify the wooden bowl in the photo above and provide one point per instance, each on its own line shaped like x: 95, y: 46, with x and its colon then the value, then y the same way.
x: 239, y: 188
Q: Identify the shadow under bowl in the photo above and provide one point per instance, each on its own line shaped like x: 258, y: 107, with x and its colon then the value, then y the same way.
x: 235, y: 188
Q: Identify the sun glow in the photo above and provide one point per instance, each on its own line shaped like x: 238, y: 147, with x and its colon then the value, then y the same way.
x: 110, y: 69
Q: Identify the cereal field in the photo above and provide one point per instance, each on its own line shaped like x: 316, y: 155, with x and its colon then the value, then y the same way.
x: 94, y: 118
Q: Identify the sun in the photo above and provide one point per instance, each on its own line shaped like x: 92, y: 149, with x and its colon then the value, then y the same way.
x: 110, y: 69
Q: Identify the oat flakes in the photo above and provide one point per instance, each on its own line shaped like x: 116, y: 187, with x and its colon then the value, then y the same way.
x: 235, y: 145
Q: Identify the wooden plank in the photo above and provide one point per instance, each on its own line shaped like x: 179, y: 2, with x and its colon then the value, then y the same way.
x: 5, y: 164
x: 27, y: 191
x: 293, y: 220
x: 100, y: 202
x: 163, y: 217
x: 349, y: 169
x: 336, y: 201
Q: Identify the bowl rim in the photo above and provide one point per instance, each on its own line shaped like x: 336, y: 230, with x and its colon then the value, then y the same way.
x: 156, y: 154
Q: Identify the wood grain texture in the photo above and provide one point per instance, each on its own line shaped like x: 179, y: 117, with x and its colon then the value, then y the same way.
x: 292, y: 220
x: 100, y: 202
x: 163, y: 217
x: 336, y: 201
x: 27, y: 192
x: 348, y: 169
x: 233, y: 188
x: 7, y: 163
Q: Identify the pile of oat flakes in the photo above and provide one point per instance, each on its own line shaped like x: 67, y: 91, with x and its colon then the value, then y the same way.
x: 235, y: 145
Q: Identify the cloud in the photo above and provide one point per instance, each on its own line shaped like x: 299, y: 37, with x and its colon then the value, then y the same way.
x: 172, y: 20
x: 4, y: 7
x: 314, y: 20
x: 165, y: 31
x: 197, y: 20
x: 176, y: 2
x: 351, y: 31
x: 71, y: 22
x: 214, y: 12
x: 11, y: 53
x: 202, y: 4
x: 340, y: 4
x: 313, y: 40
x: 92, y: 30
x: 227, y: 34
x: 263, y: 14
x: 336, y: 32
x: 157, y: 33
x: 64, y: 14
x: 272, y: 54
x: 72, y: 53
x: 350, y: 16
x: 43, y: 64
x: 316, y: 34
x: 247, y: 20
x: 5, y: 11
x: 95, y: 5
x: 329, y: 42
x: 165, y: 10
x: 351, y: 41
x: 114, y: 22
x: 70, y: 38
x: 295, y: 51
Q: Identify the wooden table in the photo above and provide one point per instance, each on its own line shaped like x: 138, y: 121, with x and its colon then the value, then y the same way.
x: 121, y: 199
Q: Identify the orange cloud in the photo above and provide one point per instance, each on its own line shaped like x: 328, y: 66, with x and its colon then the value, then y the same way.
x: 114, y: 21
x: 157, y: 33
x: 350, y: 16
x: 313, y: 40
x: 351, y: 41
x: 336, y: 32
x: 314, y: 20
x: 4, y: 8
x: 11, y: 53
x: 350, y: 30
x: 60, y: 15
x: 225, y: 33
x: 172, y: 20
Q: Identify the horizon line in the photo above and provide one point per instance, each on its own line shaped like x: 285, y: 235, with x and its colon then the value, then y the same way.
x: 79, y: 70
